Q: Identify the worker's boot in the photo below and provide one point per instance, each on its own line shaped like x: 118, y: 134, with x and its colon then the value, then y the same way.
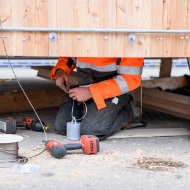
x: 137, y: 115
x: 136, y: 120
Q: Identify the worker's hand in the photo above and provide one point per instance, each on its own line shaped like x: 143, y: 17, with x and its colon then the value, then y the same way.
x: 62, y: 80
x: 80, y: 94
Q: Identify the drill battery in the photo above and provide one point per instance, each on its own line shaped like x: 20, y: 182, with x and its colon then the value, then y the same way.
x: 8, y: 126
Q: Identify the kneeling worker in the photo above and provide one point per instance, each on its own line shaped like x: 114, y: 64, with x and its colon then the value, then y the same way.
x: 106, y: 85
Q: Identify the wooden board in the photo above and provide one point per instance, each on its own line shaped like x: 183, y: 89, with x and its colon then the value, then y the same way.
x: 40, y: 99
x: 174, y: 104
x: 167, y: 102
x: 96, y: 14
x: 161, y: 132
x: 44, y: 72
x: 166, y: 83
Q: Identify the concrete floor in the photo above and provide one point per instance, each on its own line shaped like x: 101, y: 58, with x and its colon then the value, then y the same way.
x: 120, y: 164
x: 158, y: 163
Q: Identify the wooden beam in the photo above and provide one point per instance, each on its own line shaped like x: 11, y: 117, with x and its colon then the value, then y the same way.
x: 165, y: 67
x: 44, y: 72
x: 40, y: 99
x: 166, y: 102
x: 166, y: 83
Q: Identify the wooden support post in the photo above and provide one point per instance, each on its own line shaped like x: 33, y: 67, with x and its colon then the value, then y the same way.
x: 188, y: 61
x: 165, y: 67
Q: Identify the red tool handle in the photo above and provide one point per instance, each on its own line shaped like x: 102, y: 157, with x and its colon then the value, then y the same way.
x: 56, y: 149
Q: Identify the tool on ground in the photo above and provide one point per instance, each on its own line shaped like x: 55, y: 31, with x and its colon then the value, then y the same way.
x: 10, y: 125
x: 4, y: 124
x: 88, y: 143
x: 32, y: 124
x: 56, y: 149
x: 73, y: 127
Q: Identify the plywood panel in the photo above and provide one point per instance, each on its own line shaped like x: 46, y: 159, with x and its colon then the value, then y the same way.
x: 96, y: 14
x: 161, y: 132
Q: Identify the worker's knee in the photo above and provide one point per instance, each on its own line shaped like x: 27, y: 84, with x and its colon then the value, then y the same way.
x: 98, y: 131
x: 59, y: 128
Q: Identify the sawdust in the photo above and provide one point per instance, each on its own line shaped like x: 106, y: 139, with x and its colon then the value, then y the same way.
x: 159, y: 164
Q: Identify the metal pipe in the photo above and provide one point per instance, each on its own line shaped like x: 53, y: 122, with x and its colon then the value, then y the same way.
x: 90, y: 30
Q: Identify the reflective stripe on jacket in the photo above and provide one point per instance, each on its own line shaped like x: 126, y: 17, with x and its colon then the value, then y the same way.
x: 108, y: 77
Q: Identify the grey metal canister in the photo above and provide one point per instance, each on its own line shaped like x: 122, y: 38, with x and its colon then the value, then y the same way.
x: 73, y: 130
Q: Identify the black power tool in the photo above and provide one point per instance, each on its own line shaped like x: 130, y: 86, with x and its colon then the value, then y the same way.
x: 10, y: 125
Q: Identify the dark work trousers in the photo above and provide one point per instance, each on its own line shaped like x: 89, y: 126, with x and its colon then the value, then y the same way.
x: 101, y: 123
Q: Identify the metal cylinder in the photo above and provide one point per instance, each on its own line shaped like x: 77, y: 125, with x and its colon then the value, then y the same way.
x: 9, y: 149
x: 73, y: 131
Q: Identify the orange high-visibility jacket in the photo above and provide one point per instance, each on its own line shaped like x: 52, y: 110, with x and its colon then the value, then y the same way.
x: 107, y: 77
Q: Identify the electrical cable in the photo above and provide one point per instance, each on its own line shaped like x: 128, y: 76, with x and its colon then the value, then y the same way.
x: 73, y: 111
x: 10, y: 155
x: 141, y: 99
x: 2, y: 36
x: 37, y: 154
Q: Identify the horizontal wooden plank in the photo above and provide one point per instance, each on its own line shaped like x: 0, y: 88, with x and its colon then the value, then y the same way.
x: 172, y: 46
x: 40, y: 99
x: 173, y: 104
x: 167, y: 83
x: 96, y: 14
x: 44, y: 72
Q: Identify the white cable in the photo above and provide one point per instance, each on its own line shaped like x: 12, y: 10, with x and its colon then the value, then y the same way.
x: 141, y: 100
x: 2, y: 36
x: 83, y: 115
x: 10, y: 156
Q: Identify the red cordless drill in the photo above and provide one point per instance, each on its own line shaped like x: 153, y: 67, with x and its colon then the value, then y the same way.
x: 56, y: 149
x: 89, y: 144
x: 31, y: 124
